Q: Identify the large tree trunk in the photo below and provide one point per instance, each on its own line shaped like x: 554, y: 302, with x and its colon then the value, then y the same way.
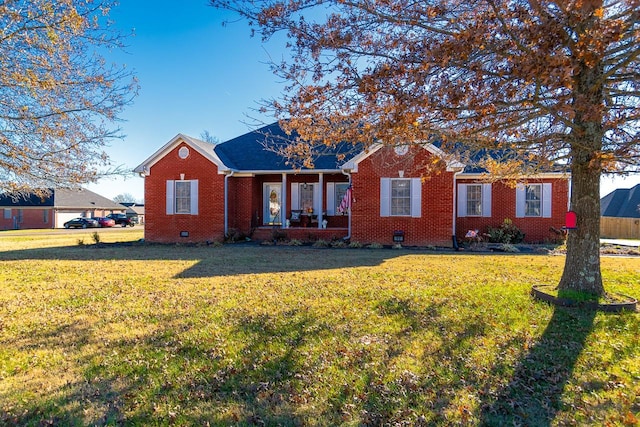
x: 582, y: 265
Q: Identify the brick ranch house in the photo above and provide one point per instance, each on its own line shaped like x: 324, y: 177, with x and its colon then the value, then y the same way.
x: 196, y: 192
x: 52, y: 211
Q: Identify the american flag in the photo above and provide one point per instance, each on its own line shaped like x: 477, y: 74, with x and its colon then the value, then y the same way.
x: 345, y: 204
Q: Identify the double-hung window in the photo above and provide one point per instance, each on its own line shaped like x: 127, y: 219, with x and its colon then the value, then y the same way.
x: 401, y: 197
x: 474, y: 200
x: 533, y: 200
x: 305, y: 197
x: 182, y: 197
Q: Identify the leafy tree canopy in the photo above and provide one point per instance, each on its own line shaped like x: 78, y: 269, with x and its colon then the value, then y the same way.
x: 558, y: 82
x: 59, y: 98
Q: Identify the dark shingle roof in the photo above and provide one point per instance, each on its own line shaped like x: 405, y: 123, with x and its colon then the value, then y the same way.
x: 26, y: 200
x: 622, y: 203
x: 62, y: 198
x: 248, y: 152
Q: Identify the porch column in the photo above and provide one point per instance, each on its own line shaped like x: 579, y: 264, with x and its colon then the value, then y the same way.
x: 321, y: 201
x: 283, y: 203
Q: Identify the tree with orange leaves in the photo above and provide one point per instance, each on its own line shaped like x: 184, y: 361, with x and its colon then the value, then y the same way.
x: 557, y: 83
x: 59, y: 99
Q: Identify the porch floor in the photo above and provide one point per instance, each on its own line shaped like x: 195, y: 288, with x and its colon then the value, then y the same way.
x: 305, y: 234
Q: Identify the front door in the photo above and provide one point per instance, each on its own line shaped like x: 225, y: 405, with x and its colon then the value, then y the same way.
x: 272, y: 195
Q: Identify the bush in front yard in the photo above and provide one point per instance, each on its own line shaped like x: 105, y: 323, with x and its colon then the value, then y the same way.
x: 506, y: 233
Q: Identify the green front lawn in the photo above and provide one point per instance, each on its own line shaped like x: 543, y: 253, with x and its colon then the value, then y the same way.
x: 243, y: 335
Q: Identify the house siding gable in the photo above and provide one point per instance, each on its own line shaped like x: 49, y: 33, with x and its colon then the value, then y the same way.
x: 435, y: 222
x: 207, y: 222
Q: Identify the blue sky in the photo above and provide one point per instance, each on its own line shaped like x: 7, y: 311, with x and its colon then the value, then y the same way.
x: 195, y: 74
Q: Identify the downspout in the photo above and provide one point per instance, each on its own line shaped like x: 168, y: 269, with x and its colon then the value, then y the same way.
x: 283, y: 204
x: 226, y: 203
x: 321, y: 195
x: 348, y: 236
x: 454, y: 240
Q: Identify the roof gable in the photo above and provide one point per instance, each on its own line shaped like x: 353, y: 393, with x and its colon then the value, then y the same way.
x: 254, y: 152
x: 83, y: 198
x: 452, y: 164
x: 206, y: 149
x: 251, y: 153
x: 622, y: 203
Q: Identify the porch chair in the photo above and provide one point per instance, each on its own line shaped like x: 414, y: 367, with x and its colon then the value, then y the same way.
x: 294, y: 218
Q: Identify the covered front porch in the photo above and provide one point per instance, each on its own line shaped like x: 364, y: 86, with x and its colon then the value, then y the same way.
x: 305, y: 201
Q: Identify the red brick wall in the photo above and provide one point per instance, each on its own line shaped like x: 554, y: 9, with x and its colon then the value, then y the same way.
x: 503, y: 205
x: 208, y: 224
x: 243, y: 194
x: 31, y: 218
x: 434, y: 227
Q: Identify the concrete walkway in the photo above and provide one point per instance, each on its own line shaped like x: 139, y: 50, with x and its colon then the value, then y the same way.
x: 622, y: 242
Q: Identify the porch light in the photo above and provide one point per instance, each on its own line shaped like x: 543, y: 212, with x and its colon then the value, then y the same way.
x: 398, y: 236
x: 304, y: 185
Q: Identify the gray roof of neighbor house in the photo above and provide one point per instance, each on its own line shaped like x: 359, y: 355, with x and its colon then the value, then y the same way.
x: 62, y: 198
x: 135, y: 208
x: 621, y: 203
x: 248, y: 152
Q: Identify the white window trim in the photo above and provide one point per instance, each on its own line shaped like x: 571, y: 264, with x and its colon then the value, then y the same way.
x: 171, y: 198
x: 416, y: 197
x: 485, y: 201
x: 521, y: 200
x: 295, y: 196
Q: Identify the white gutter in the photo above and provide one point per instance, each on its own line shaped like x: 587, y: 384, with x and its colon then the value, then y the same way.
x: 348, y: 236
x: 226, y: 203
x: 287, y: 171
x: 547, y: 175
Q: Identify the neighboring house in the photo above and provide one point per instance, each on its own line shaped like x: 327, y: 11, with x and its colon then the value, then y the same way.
x: 52, y: 211
x: 621, y: 203
x: 134, y: 210
x: 196, y: 191
x: 620, y: 214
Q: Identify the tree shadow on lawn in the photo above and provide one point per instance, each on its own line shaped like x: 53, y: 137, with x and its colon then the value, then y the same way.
x: 216, y: 261
x: 171, y: 377
x: 294, y: 368
x: 46, y: 396
x: 533, y: 395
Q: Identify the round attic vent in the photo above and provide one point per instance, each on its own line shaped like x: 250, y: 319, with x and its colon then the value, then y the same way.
x: 401, y: 150
x: 183, y: 152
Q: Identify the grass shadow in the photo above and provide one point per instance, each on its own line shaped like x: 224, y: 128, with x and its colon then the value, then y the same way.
x: 533, y: 395
x: 214, y: 261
